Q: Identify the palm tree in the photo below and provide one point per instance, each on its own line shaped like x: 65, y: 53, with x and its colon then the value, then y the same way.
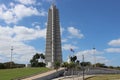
x: 73, y: 59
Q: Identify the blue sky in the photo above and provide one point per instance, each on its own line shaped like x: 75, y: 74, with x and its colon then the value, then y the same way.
x: 84, y: 24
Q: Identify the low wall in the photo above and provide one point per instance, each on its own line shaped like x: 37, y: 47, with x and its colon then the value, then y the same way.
x: 92, y: 71
x: 52, y: 75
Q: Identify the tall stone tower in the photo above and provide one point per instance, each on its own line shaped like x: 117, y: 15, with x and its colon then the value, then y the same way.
x: 53, y: 38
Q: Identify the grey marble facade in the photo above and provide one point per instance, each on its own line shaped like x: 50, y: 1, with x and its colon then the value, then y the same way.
x: 53, y: 38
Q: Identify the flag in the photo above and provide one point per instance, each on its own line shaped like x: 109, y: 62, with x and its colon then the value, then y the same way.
x: 72, y: 50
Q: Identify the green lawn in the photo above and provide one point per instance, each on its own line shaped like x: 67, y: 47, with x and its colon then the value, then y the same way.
x: 8, y: 74
x: 106, y: 77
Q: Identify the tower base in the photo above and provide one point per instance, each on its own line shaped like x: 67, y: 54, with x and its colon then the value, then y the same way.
x: 49, y: 65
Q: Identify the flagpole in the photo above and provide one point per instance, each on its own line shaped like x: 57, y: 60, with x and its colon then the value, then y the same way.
x: 72, y: 51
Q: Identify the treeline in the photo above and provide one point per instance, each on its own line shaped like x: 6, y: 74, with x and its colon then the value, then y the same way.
x: 89, y: 64
x: 105, y: 66
x: 9, y: 65
x: 79, y: 65
x: 74, y: 63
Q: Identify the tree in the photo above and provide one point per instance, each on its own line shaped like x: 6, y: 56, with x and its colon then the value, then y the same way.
x: 101, y: 65
x: 73, y: 59
x: 36, y: 56
x: 2, y: 66
x: 56, y: 65
x: 86, y: 63
x: 34, y: 61
x: 42, y: 56
x: 65, y: 64
x: 78, y: 65
x: 78, y: 62
x: 111, y: 67
x: 72, y: 65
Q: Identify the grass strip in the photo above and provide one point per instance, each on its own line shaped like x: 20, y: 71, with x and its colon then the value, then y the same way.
x: 10, y: 74
x: 105, y: 77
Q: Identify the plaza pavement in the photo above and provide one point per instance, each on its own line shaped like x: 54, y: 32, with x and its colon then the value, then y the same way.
x: 91, y: 72
x: 73, y: 77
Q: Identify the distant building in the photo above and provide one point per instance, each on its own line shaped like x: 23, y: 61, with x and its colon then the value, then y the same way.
x: 28, y: 65
x: 13, y: 65
x: 53, y: 38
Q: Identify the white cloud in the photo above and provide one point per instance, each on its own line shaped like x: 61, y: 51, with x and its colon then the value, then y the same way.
x: 69, y: 46
x: 12, y: 4
x: 22, y: 33
x: 15, y: 36
x: 45, y: 24
x: 26, y: 2
x: 20, y: 50
x: 75, y: 32
x: 102, y: 59
x: 91, y: 56
x: 64, y: 40
x: 21, y: 11
x: 50, y: 1
x: 5, y: 31
x: 113, y: 50
x: 3, y: 7
x: 90, y: 52
x: 62, y: 30
x: 36, y: 23
x: 17, y: 12
x: 114, y: 42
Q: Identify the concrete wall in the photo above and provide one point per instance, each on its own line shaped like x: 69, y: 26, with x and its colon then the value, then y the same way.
x: 92, y: 71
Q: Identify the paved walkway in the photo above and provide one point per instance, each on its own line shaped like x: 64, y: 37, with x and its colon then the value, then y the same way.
x: 42, y: 75
x: 60, y: 78
x: 73, y: 77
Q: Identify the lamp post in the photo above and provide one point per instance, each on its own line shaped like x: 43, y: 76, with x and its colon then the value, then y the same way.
x: 11, y: 56
x: 94, y: 57
x: 83, y: 67
x: 73, y: 56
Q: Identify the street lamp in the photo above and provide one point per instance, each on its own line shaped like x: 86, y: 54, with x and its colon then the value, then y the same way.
x: 94, y: 57
x: 11, y: 52
x: 83, y: 67
x: 11, y: 56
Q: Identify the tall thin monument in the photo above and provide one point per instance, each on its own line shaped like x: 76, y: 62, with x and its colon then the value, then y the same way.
x: 53, y: 38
